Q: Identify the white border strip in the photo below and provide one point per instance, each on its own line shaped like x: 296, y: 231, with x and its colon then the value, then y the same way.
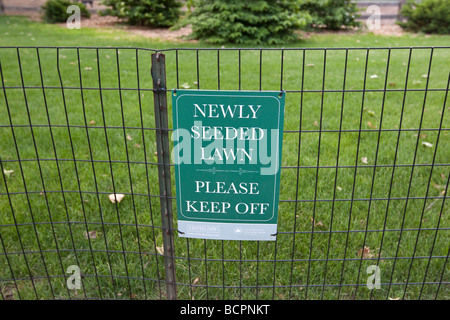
x: 227, y: 231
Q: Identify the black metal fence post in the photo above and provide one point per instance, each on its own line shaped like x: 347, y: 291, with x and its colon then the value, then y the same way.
x: 163, y: 155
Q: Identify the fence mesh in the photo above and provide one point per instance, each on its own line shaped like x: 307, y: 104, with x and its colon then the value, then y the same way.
x: 364, y: 175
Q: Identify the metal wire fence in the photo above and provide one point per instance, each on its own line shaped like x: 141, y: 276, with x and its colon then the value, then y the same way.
x: 363, y: 211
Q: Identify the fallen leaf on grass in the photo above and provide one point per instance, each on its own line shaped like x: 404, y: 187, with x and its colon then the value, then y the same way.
x: 195, y: 281
x: 374, y: 76
x: 88, y: 68
x: 371, y: 125
x: 160, y: 250
x: 310, y: 65
x: 186, y: 85
x: 129, y: 138
x: 427, y: 144
x: 365, y: 252
x: 364, y: 160
x: 394, y: 299
x: 318, y: 224
x: 90, y: 235
x: 7, y: 292
x: 443, y: 176
x: 431, y: 204
x: 8, y: 172
x: 118, y: 196
x: 92, y: 123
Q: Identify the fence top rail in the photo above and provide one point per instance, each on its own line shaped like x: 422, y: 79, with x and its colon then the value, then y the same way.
x: 225, y: 49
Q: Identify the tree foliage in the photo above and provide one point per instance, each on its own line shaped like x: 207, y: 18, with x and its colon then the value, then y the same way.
x: 429, y: 16
x: 331, y: 14
x: 246, y: 22
x: 56, y: 10
x: 150, y: 13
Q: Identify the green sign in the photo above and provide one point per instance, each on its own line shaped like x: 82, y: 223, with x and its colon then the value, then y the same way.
x: 227, y: 155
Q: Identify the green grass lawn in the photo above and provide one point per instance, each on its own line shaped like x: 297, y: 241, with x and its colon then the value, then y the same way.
x: 347, y: 126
